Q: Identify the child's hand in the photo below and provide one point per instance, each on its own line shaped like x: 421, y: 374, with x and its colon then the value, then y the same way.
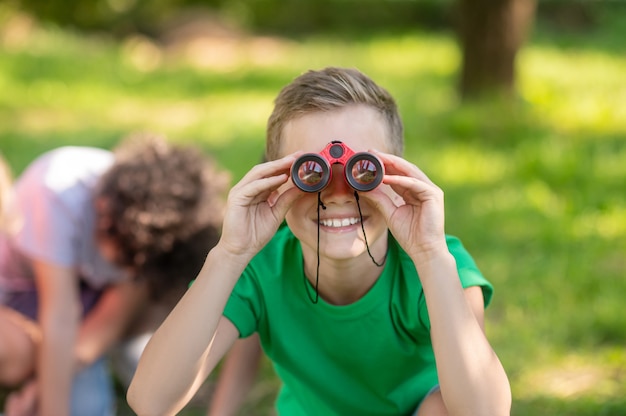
x: 255, y: 207
x: 418, y: 222
x: 24, y: 401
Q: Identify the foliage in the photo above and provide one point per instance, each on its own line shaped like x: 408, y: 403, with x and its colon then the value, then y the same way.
x: 121, y: 17
x: 151, y: 17
x: 533, y: 188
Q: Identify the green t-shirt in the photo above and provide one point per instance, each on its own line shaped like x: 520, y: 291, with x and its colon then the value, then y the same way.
x: 372, y: 357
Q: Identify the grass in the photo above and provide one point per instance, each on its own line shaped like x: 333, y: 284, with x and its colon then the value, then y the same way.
x: 534, y: 188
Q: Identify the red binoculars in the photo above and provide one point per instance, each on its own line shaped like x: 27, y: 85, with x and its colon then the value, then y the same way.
x: 312, y: 172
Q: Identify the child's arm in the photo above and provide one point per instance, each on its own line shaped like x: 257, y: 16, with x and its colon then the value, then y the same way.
x: 195, y: 336
x: 110, y: 318
x: 471, y: 377
x: 237, y: 375
x: 58, y: 317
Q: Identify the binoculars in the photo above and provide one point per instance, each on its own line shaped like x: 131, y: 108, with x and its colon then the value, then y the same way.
x: 312, y: 172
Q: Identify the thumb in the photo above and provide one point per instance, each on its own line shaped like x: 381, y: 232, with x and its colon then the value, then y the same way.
x: 382, y: 202
x: 285, y: 201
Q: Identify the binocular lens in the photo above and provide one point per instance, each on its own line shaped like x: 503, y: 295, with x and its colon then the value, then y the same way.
x: 310, y: 173
x: 364, y: 172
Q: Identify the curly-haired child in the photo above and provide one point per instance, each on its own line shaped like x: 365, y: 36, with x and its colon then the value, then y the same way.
x: 107, y: 243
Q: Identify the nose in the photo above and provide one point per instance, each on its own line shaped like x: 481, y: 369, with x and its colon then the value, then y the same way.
x: 338, y: 189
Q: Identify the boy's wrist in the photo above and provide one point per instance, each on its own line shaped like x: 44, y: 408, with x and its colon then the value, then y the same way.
x: 224, y: 253
x: 425, y: 253
x: 432, y: 257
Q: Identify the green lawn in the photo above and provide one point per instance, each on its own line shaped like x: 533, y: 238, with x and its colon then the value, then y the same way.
x: 535, y: 189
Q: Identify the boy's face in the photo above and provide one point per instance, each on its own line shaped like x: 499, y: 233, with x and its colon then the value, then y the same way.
x: 341, y: 237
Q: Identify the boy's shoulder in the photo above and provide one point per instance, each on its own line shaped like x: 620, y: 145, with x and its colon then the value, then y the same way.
x: 469, y: 273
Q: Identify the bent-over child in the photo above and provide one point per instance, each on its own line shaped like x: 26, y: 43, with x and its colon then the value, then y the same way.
x: 105, y: 245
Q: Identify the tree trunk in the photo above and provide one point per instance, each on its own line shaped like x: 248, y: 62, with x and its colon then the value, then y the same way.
x: 491, y: 32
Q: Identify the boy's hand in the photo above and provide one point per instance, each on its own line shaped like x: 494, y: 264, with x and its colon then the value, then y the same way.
x: 255, y: 208
x: 418, y: 223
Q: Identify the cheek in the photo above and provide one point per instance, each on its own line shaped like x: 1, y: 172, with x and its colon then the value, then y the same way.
x: 303, y: 208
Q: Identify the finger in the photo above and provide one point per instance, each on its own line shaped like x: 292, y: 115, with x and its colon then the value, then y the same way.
x: 396, y: 165
x: 268, y: 169
x: 413, y: 190
x: 280, y: 190
x: 262, y: 180
x: 258, y: 190
x: 14, y: 405
x: 381, y: 201
x: 31, y: 397
x: 285, y: 200
x: 9, y: 405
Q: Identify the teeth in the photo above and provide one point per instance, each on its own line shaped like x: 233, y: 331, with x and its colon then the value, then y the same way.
x: 336, y: 222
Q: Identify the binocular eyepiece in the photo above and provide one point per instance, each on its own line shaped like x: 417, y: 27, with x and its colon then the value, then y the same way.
x: 312, y: 172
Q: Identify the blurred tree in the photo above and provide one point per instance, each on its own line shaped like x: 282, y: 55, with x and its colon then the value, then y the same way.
x: 491, y: 33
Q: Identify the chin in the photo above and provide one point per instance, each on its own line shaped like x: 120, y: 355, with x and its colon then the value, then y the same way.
x: 343, y: 252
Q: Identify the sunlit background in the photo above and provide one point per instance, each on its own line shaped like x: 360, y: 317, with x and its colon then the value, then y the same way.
x: 535, y: 185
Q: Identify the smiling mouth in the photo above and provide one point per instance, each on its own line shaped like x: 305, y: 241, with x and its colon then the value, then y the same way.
x: 339, y: 222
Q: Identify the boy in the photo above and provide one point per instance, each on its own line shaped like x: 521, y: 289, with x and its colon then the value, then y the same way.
x: 389, y: 320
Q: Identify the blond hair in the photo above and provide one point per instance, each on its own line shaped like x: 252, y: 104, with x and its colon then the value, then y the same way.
x: 329, y: 89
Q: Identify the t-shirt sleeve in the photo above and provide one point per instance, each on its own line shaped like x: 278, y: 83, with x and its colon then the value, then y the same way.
x: 243, y: 306
x: 48, y: 229
x: 469, y: 273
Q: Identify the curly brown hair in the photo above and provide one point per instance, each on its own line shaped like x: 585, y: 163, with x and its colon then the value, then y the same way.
x: 161, y: 206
